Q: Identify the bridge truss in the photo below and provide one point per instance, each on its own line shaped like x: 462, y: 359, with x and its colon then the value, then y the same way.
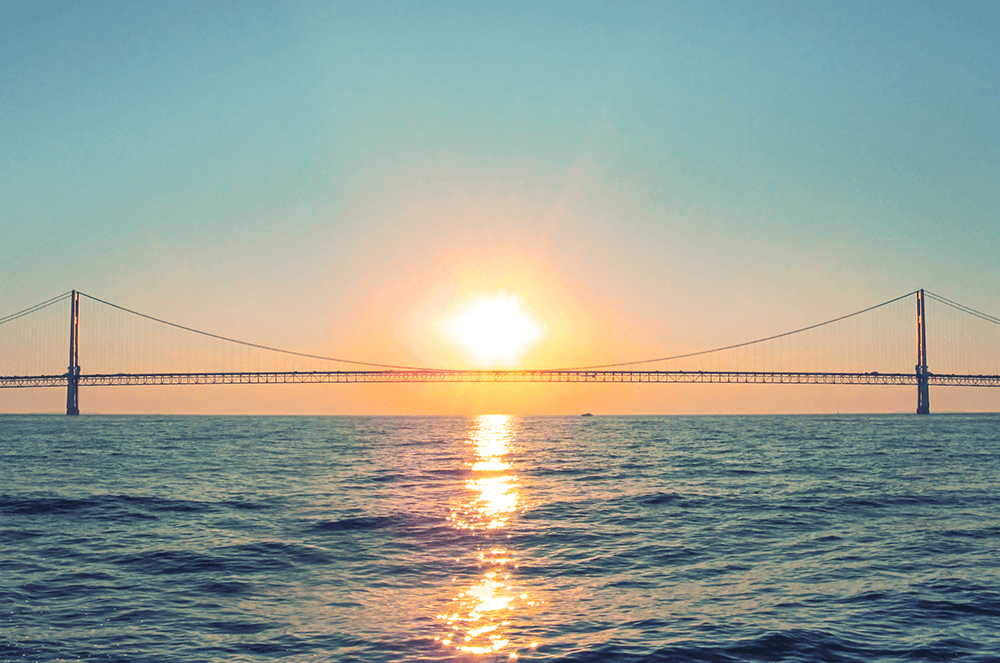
x: 529, y: 376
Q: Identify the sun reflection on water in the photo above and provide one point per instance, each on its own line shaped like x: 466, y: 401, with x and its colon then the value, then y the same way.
x: 479, y: 620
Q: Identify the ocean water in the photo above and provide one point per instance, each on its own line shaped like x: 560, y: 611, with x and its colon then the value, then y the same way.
x: 757, y: 538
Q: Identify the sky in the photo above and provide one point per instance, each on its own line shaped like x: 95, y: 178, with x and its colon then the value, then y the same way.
x: 341, y: 177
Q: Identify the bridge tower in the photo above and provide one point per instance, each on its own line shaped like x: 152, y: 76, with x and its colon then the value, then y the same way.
x: 73, y: 374
x: 923, y: 397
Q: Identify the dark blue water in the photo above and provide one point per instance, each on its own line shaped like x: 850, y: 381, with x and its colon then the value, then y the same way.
x: 855, y: 538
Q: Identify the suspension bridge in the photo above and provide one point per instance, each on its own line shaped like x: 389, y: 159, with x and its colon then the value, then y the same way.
x: 885, y: 344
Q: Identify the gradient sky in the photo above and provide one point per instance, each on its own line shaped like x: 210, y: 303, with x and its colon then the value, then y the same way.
x: 337, y: 177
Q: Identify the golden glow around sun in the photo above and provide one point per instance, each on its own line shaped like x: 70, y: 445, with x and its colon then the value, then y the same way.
x: 496, y: 330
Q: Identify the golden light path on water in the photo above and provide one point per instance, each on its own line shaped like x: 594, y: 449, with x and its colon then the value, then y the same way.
x: 480, y: 616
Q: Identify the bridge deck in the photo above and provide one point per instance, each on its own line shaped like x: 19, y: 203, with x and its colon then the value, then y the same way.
x: 352, y: 377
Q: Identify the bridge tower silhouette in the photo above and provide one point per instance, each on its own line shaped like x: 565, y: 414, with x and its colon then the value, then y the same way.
x: 923, y: 390
x: 73, y: 374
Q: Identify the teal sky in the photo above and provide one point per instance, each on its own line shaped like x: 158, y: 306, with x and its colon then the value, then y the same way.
x: 664, y: 172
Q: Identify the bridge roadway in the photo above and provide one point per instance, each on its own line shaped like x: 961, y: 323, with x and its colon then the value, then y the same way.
x: 533, y: 376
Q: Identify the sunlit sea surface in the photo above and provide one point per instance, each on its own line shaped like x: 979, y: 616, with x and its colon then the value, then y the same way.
x: 758, y: 538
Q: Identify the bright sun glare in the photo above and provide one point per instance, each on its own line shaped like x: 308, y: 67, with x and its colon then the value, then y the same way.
x: 496, y: 330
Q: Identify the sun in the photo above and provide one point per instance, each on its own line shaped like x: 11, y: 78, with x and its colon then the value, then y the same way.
x: 496, y: 330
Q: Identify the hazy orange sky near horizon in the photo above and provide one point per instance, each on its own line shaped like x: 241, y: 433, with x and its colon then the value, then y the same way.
x: 646, y: 179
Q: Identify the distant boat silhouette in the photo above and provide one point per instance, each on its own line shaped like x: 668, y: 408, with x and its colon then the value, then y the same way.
x: 586, y: 414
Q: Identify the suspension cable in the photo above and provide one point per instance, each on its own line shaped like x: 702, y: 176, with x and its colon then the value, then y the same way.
x: 260, y: 347
x: 36, y: 307
x: 739, y: 345
x: 59, y: 298
x: 965, y: 309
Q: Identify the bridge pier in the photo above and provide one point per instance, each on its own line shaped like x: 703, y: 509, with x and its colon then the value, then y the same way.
x: 923, y: 395
x: 73, y: 374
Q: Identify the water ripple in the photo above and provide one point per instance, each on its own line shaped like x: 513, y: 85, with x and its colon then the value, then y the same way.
x: 551, y: 539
